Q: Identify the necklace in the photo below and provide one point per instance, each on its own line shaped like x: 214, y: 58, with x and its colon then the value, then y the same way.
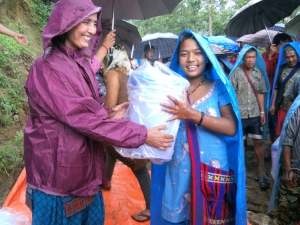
x: 197, y: 86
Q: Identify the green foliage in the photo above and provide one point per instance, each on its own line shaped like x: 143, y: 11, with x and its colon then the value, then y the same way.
x: 8, y: 111
x: 10, y: 77
x: 9, y: 49
x: 192, y: 15
x: 41, y: 10
x: 11, y: 154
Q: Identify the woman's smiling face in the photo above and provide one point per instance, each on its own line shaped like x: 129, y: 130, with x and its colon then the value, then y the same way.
x: 192, y: 59
x: 79, y: 36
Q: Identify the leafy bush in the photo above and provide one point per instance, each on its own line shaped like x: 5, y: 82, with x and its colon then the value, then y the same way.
x: 11, y: 154
x: 41, y: 10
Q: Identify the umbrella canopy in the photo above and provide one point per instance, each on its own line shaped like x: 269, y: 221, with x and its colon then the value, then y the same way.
x: 293, y: 26
x: 224, y: 43
x: 127, y: 34
x: 277, y: 27
x: 259, y: 39
x: 259, y: 14
x: 136, y: 9
x: 164, y: 44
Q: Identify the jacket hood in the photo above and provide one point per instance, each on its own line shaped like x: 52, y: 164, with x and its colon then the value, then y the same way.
x: 65, y: 15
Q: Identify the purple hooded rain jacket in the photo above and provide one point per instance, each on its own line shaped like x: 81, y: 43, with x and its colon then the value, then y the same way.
x: 67, y: 126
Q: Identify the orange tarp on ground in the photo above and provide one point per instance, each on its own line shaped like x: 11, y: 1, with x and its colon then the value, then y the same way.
x: 124, y: 198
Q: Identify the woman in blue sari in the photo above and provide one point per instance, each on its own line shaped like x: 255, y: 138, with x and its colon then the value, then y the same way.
x: 204, y: 183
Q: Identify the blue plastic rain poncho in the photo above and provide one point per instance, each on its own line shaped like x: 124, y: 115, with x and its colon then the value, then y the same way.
x: 235, y: 144
x: 293, y: 108
x: 291, y: 111
x: 260, y: 63
x: 282, y: 61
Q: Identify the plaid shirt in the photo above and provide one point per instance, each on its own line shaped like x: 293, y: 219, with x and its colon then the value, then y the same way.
x: 292, y: 138
x: 248, y: 104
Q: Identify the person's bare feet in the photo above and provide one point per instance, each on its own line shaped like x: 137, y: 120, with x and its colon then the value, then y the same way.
x: 142, y: 216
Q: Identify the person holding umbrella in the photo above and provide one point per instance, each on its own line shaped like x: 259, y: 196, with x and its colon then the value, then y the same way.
x: 271, y: 59
x: 149, y: 51
x: 67, y: 124
x: 286, y: 188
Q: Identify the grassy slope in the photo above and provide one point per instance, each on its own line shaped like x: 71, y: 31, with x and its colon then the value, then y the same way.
x: 15, y: 62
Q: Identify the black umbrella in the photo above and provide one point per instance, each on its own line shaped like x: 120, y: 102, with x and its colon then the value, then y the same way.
x: 127, y: 34
x: 135, y: 9
x: 258, y: 15
x: 259, y: 39
x: 164, y: 44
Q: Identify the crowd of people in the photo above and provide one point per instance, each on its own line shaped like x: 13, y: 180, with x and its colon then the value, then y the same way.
x: 77, y: 99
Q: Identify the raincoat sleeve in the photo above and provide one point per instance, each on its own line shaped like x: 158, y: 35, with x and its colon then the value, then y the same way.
x: 95, y: 64
x: 64, y: 98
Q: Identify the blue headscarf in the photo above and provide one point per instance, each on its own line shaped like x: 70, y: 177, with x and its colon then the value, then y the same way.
x: 235, y: 144
x: 282, y: 61
x: 260, y: 63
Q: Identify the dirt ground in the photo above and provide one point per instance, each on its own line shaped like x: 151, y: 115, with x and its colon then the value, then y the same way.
x: 257, y: 199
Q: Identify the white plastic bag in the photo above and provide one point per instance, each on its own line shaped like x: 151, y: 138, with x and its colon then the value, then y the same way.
x: 9, y: 216
x: 147, y: 88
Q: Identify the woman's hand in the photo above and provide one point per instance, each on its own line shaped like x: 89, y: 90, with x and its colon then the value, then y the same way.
x: 118, y: 112
x: 157, y: 139
x: 110, y: 39
x: 181, y: 110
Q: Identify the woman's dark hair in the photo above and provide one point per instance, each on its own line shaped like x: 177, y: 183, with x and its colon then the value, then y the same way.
x: 60, y: 39
x: 191, y: 36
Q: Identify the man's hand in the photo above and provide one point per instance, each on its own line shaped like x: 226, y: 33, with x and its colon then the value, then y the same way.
x: 272, y: 51
x: 272, y: 110
x: 292, y: 182
x: 262, y: 118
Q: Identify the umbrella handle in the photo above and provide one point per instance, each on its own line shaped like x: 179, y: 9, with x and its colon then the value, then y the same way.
x: 266, y: 28
x: 113, y: 15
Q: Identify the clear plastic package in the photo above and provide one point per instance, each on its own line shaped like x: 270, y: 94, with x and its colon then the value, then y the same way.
x: 147, y: 87
x: 9, y: 216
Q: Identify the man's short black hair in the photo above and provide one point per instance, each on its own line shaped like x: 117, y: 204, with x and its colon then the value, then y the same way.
x: 250, y: 50
x: 148, y: 47
x: 281, y: 37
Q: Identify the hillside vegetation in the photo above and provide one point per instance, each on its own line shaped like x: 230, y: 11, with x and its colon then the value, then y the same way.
x: 27, y: 17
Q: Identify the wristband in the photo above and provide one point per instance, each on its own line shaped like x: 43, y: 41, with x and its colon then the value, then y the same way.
x: 105, y: 48
x: 202, y: 116
x: 262, y: 112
